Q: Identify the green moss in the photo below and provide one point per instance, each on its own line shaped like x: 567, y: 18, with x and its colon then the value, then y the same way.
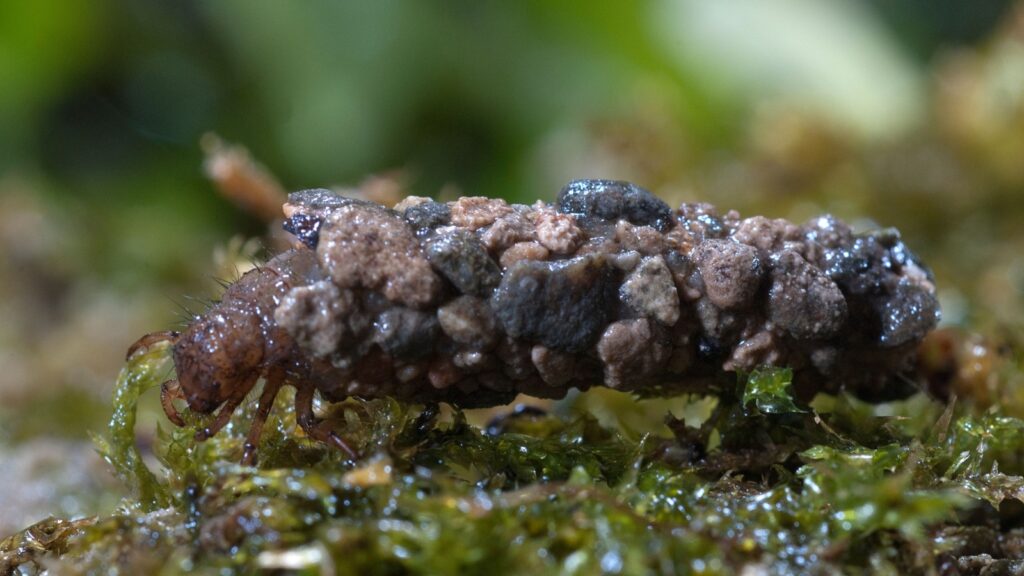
x: 836, y: 485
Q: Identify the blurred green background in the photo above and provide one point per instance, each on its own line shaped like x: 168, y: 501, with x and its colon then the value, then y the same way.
x: 886, y: 113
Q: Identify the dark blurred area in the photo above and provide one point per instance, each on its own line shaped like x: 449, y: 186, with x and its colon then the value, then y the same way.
x: 886, y: 113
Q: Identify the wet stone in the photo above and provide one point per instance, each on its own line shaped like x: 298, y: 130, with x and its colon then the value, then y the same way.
x: 460, y: 257
x: 405, y: 333
x: 321, y: 318
x: 731, y: 272
x: 368, y: 246
x: 305, y: 227
x: 908, y: 314
x: 563, y: 305
x: 428, y: 215
x: 702, y: 221
x: 860, y: 268
x: 802, y: 300
x: 650, y: 291
x: 613, y: 200
x: 468, y: 320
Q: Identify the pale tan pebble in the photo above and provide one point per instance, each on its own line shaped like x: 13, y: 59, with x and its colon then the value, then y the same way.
x: 410, y: 201
x: 443, y: 373
x: 599, y: 245
x: 555, y: 368
x: 643, y: 239
x: 475, y: 212
x: 507, y: 231
x: 631, y: 353
x: 468, y: 320
x: 650, y: 290
x: 758, y: 350
x: 524, y: 251
x: 365, y: 246
x: 767, y: 234
x: 558, y: 232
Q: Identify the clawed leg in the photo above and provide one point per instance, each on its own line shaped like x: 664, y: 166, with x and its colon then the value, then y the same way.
x: 312, y: 427
x: 224, y: 416
x: 271, y: 387
x: 169, y: 392
x: 150, y: 339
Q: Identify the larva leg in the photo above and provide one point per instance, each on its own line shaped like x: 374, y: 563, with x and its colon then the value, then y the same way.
x: 169, y: 392
x: 224, y: 416
x: 312, y: 427
x: 150, y: 339
x: 270, y: 389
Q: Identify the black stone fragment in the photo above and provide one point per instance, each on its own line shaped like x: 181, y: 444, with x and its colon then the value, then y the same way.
x: 907, y: 315
x: 305, y: 227
x: 428, y: 216
x: 613, y: 200
x: 563, y: 305
x: 460, y: 257
x: 406, y: 333
x: 860, y: 268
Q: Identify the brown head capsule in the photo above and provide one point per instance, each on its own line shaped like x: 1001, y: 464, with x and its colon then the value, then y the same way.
x: 473, y: 301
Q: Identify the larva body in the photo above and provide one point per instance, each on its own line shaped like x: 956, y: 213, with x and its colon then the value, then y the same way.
x: 476, y: 300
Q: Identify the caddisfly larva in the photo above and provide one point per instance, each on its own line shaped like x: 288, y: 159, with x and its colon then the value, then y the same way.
x: 474, y: 301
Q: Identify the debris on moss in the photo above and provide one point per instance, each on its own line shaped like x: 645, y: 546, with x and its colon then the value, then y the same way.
x: 763, y: 483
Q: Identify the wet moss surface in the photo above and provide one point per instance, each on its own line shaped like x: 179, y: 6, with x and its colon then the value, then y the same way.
x: 750, y: 479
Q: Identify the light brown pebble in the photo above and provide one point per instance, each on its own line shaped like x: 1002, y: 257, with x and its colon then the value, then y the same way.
x: 731, y: 272
x: 631, y: 353
x: 650, y: 290
x: 524, y: 251
x: 506, y: 231
x: 475, y: 212
x: 766, y: 234
x: 411, y: 201
x: 555, y: 368
x: 468, y: 320
x: 558, y: 232
x: 364, y: 246
x: 758, y: 350
x: 321, y: 317
x: 643, y: 239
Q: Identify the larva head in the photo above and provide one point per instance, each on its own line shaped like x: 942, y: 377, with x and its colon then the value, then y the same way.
x: 218, y: 358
